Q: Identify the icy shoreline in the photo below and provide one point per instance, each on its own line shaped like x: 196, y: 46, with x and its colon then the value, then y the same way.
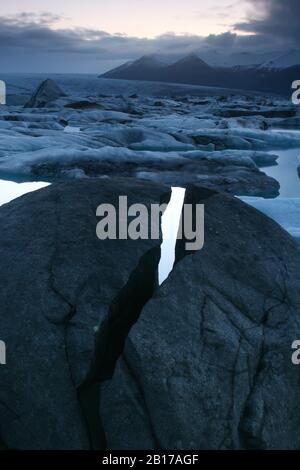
x: 177, y: 135
x: 219, y: 140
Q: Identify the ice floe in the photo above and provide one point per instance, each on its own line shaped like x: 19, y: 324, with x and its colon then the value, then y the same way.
x: 82, y: 126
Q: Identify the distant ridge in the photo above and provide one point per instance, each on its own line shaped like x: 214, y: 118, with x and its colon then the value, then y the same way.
x: 192, y: 70
x: 145, y: 68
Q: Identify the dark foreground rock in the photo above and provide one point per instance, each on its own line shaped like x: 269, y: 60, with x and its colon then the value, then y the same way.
x: 208, y: 364
x: 46, y: 92
x: 58, y: 282
x: 207, y: 356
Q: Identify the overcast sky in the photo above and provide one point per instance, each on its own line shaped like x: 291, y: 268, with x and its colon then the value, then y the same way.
x: 138, y: 17
x: 94, y: 35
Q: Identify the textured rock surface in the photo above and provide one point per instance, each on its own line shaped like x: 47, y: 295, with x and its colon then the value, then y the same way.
x: 57, y: 282
x: 208, y: 364
x: 46, y: 92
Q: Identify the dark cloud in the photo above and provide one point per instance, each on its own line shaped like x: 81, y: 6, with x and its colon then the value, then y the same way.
x: 278, y: 19
x: 223, y: 40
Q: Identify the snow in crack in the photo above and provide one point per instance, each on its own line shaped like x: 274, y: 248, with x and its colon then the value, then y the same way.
x: 169, y: 226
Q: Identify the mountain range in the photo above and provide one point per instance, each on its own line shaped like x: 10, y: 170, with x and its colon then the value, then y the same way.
x: 191, y: 69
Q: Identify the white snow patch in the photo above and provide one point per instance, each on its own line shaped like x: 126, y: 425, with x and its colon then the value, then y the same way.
x: 170, y: 225
x: 10, y: 190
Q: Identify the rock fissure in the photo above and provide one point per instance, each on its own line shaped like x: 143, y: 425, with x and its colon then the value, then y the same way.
x: 112, y: 333
x: 146, y: 409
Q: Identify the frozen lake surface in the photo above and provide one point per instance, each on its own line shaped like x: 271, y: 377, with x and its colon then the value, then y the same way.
x: 286, y: 172
x: 285, y: 209
x: 22, y: 85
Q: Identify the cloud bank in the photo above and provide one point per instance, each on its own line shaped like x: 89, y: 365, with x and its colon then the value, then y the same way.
x: 277, y: 19
x: 33, y: 43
